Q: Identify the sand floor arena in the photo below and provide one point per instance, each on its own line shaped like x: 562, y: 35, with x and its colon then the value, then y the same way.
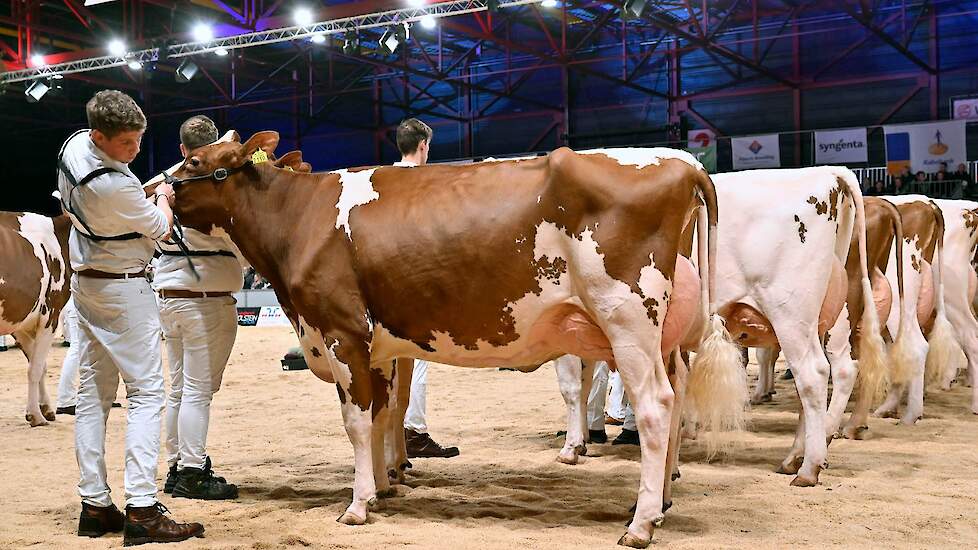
x: 279, y: 436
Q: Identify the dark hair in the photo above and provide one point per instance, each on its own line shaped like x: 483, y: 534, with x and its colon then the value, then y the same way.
x: 197, y: 131
x: 410, y: 134
x: 113, y: 112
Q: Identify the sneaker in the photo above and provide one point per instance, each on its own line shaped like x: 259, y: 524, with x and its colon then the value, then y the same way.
x: 147, y: 524
x: 202, y: 484
x: 172, y: 476
x: 96, y: 521
x: 420, y: 445
x: 626, y: 437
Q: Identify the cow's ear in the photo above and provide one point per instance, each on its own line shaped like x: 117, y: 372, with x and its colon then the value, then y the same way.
x: 304, y: 167
x: 266, y: 141
x: 231, y: 136
x: 292, y: 159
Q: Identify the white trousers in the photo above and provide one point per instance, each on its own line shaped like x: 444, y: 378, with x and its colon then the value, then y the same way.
x: 118, y: 334
x: 67, y: 385
x: 199, y: 335
x: 617, y: 403
x: 414, y: 418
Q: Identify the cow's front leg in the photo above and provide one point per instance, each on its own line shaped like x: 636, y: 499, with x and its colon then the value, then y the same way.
x: 30, y: 346
x: 570, y: 374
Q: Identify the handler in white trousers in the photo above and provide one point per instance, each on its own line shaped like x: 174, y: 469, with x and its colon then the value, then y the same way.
x: 200, y: 322
x: 114, y: 227
x: 414, y: 141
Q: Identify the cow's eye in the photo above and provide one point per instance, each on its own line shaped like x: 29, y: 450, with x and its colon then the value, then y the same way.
x: 195, y: 162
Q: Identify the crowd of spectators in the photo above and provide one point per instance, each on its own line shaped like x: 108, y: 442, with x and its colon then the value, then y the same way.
x: 942, y: 184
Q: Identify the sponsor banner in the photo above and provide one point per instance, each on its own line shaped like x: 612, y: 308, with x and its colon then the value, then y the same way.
x: 248, y: 316
x: 923, y: 147
x: 701, y: 138
x: 841, y: 146
x: 756, y: 152
x: 965, y: 109
x: 707, y: 156
x: 272, y: 316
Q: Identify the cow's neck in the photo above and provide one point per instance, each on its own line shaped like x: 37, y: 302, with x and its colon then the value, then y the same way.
x: 273, y: 215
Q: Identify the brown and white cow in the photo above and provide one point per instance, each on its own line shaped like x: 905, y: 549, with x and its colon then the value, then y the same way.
x: 34, y: 273
x: 784, y: 238
x: 488, y: 265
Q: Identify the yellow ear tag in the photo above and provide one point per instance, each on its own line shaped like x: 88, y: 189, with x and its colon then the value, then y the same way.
x: 259, y: 157
x: 289, y: 168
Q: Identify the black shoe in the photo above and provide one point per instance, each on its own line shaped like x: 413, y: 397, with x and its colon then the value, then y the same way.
x: 420, y: 445
x: 116, y: 405
x: 626, y: 437
x: 172, y: 476
x: 200, y: 484
x: 67, y: 410
x: 597, y: 436
x: 96, y: 521
x: 787, y: 375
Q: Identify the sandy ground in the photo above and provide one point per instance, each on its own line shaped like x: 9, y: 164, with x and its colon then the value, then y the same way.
x: 279, y: 436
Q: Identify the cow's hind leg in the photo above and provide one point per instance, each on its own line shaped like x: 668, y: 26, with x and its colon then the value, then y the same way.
x: 839, y: 351
x: 677, y: 379
x: 396, y: 445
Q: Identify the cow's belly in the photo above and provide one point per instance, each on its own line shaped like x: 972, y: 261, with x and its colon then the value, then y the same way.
x: 750, y: 328
x: 926, y: 298
x: 559, y: 328
x: 882, y: 294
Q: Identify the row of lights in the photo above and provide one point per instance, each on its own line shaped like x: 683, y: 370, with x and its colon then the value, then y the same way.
x: 202, y: 32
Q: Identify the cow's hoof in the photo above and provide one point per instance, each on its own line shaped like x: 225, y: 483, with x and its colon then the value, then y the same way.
x: 373, y: 504
x: 665, y: 507
x: 676, y: 475
x: 581, y: 450
x: 910, y: 420
x: 792, y: 468
x: 349, y: 518
x: 48, y: 413
x: 858, y: 432
x: 35, y: 420
x: 886, y: 414
x: 631, y: 541
x: 758, y: 399
x: 802, y: 481
x: 568, y: 456
x: 389, y: 492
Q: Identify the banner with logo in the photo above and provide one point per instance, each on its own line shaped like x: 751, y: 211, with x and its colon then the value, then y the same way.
x: 923, y: 147
x: 272, y: 316
x: 965, y: 109
x: 701, y: 138
x: 706, y: 155
x: 756, y: 152
x: 248, y: 316
x: 841, y: 146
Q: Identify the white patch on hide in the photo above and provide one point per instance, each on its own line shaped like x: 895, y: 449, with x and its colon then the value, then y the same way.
x: 651, y: 282
x: 355, y: 189
x: 640, y: 157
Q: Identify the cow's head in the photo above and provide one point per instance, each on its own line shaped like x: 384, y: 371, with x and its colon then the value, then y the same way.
x: 203, y: 182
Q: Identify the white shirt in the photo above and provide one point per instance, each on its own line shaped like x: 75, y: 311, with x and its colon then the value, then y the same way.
x: 111, y: 204
x: 405, y: 164
x: 217, y: 273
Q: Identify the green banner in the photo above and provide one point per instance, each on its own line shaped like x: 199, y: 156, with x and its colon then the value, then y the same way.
x: 707, y: 156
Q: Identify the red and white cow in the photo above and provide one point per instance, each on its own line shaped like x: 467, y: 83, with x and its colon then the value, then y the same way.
x: 784, y: 237
x: 390, y: 262
x: 34, y: 273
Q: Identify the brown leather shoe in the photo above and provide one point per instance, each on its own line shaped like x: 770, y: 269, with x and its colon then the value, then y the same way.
x: 612, y: 421
x: 96, y: 521
x: 422, y: 446
x: 146, y: 524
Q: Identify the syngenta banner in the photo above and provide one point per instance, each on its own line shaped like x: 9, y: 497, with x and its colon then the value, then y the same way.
x: 840, y: 146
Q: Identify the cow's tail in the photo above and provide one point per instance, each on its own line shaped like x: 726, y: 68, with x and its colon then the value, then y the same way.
x: 944, y: 354
x: 716, y: 390
x: 901, y: 353
x: 872, y: 358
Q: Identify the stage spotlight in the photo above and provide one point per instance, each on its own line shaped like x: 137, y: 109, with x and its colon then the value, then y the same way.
x: 38, y: 60
x: 186, y: 71
x: 36, y: 91
x: 415, y: 3
x: 221, y: 52
x: 428, y: 22
x: 117, y: 47
x: 318, y: 39
x: 134, y: 65
x: 303, y: 17
x: 634, y: 8
x: 203, y: 32
x: 549, y: 3
x: 351, y: 43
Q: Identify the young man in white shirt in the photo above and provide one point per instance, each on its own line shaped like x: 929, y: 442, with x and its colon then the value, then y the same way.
x: 414, y: 142
x: 112, y: 239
